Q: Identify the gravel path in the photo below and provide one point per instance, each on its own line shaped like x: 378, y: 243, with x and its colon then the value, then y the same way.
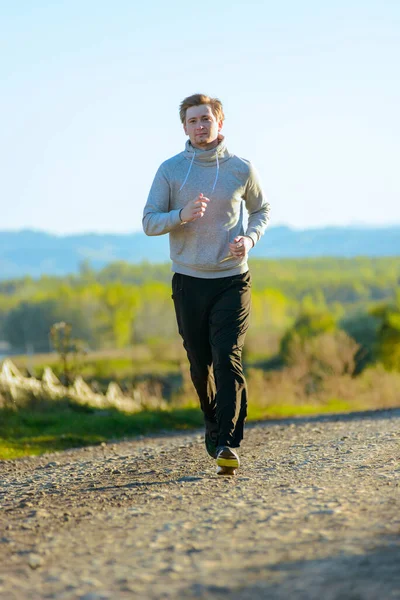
x: 314, y: 513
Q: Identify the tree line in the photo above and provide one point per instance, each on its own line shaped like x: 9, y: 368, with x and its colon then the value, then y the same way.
x: 125, y: 304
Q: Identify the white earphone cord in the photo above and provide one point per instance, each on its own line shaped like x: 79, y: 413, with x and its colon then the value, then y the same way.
x: 187, y: 174
x: 190, y: 168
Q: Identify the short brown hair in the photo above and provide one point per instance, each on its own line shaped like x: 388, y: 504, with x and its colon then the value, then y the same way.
x: 197, y: 100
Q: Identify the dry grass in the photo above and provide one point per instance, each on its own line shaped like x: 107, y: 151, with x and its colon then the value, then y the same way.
x: 40, y: 415
x: 375, y: 388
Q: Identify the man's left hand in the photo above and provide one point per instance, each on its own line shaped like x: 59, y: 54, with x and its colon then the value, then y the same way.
x: 240, y: 246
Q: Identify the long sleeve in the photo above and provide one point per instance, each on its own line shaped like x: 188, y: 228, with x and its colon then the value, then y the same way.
x: 157, y: 217
x: 257, y: 206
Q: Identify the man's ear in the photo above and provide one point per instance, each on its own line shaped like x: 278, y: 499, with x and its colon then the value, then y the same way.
x: 184, y: 128
x: 220, y: 125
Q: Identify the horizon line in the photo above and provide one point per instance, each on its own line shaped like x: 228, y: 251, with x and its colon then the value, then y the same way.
x: 357, y: 226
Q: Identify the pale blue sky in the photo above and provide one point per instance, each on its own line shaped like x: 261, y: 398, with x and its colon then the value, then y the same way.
x: 90, y: 92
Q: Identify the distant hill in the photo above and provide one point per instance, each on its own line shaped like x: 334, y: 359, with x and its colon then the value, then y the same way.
x: 37, y: 253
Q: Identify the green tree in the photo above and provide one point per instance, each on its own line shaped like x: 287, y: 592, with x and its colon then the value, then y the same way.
x: 388, y: 347
x: 308, y: 324
x: 121, y: 303
x: 28, y: 325
x: 363, y: 327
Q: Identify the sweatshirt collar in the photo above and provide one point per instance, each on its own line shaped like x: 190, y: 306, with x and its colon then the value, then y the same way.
x: 208, y: 157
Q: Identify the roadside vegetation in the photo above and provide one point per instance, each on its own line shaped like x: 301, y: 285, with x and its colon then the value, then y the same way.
x: 325, y: 337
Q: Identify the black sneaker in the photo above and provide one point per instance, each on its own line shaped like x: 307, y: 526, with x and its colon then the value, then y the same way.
x: 211, y: 438
x: 227, y: 461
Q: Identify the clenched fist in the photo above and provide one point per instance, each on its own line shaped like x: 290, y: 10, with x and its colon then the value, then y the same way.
x: 194, y: 209
x: 240, y: 246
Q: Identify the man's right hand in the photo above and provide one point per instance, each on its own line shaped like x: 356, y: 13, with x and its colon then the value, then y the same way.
x: 194, y: 209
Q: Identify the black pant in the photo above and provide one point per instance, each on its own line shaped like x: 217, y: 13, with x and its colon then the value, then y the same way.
x: 213, y: 317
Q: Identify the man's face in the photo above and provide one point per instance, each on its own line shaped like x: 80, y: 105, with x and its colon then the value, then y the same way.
x: 201, y: 126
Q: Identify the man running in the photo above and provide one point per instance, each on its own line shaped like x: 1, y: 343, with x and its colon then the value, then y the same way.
x: 199, y: 197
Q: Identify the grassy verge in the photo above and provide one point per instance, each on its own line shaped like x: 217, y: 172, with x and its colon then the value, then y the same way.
x: 31, y: 432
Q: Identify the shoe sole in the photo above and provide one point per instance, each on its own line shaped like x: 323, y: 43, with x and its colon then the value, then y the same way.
x: 232, y: 463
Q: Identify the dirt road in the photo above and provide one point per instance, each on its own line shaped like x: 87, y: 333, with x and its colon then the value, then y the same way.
x: 314, y: 513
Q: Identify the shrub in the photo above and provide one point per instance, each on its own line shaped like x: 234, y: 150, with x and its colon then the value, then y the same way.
x: 307, y: 325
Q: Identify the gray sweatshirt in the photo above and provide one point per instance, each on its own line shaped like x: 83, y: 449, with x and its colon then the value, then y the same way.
x: 200, y: 248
